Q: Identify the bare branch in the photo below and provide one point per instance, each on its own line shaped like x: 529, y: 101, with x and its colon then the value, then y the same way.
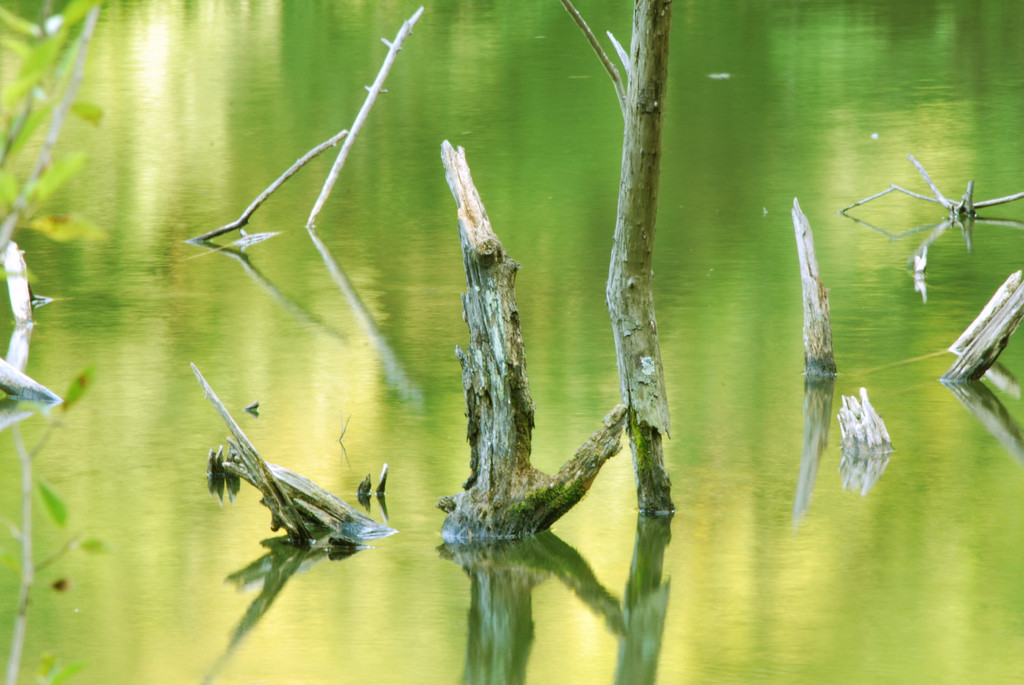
x: 927, y: 179
x: 251, y: 209
x: 620, y: 90
x: 999, y: 200
x: 375, y: 90
x: 623, y: 57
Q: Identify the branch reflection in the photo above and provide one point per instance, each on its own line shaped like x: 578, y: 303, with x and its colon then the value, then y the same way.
x: 504, y: 574
x: 818, y: 394
x: 986, y: 407
x: 270, y: 573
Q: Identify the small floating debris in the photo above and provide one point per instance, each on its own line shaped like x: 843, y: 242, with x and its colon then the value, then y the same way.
x: 253, y: 409
x: 719, y: 77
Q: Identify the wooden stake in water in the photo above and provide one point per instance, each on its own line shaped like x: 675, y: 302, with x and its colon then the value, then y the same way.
x: 819, y: 361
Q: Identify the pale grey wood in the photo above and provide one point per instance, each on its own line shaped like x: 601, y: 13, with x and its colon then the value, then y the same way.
x: 985, y: 339
x: 819, y: 359
x: 373, y: 91
x: 861, y: 427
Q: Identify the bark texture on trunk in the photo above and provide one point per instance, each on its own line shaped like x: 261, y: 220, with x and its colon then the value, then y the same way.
x: 504, y: 496
x: 629, y: 295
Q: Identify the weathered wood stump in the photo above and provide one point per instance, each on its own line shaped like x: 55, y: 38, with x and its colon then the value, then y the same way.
x: 819, y: 361
x: 980, y: 345
x: 504, y: 496
x: 866, y: 443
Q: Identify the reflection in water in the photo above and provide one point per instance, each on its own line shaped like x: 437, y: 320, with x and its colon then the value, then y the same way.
x: 269, y: 573
x: 645, y: 603
x: 294, y: 308
x: 818, y: 394
x: 861, y: 470
x: 987, y: 408
x: 504, y: 574
x: 393, y: 370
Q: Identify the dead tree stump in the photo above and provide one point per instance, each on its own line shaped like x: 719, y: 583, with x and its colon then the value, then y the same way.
x: 819, y: 361
x: 504, y: 496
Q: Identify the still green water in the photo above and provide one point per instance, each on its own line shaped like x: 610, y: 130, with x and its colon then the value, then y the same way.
x: 918, y: 581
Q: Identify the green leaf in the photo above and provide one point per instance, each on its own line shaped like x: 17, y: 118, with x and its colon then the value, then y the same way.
x: 18, y: 24
x: 88, y: 111
x: 64, y: 228
x: 36, y: 117
x: 95, y: 546
x: 76, y: 11
x: 8, y: 189
x: 11, y: 561
x: 18, y: 47
x: 66, y: 672
x: 47, y: 663
x: 53, y: 503
x: 78, y: 386
x: 55, y: 176
x: 34, y: 67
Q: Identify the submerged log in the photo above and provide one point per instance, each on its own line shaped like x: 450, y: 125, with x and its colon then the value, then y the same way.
x: 984, y: 340
x: 504, y: 496
x: 304, y: 509
x: 819, y: 361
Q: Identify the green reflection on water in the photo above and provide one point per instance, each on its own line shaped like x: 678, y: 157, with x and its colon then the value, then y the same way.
x: 206, y: 103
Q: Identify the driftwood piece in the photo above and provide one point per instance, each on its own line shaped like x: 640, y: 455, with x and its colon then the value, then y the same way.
x: 819, y: 360
x: 984, y: 340
x: 306, y: 510
x: 17, y: 385
x: 866, y: 443
x: 966, y: 207
x: 504, y: 496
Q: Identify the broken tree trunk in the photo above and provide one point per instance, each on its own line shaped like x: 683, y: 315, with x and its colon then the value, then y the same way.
x: 866, y: 443
x: 303, y: 508
x: 984, y: 340
x: 630, y: 295
x: 819, y: 361
x: 504, y: 496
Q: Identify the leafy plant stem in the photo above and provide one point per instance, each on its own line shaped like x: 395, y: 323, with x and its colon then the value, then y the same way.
x: 27, y: 567
x: 43, y: 160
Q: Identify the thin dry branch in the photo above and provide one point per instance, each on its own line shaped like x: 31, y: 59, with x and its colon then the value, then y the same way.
x: 613, y: 73
x: 374, y: 90
x: 275, y: 497
x: 966, y: 207
x: 261, y: 198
